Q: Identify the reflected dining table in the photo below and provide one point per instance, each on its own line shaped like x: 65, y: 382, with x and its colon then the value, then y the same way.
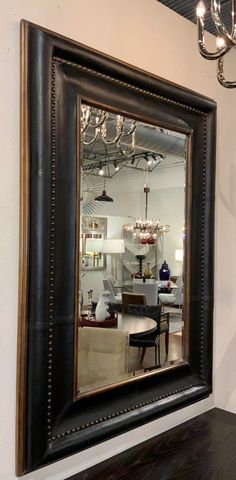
x: 135, y: 324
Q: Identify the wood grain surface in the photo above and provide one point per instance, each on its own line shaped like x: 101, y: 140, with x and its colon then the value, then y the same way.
x: 202, y: 448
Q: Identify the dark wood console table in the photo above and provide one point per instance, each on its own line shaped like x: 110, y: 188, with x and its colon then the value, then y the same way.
x: 203, y: 448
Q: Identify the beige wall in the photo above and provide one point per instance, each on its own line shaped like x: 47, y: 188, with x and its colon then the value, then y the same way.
x: 148, y: 35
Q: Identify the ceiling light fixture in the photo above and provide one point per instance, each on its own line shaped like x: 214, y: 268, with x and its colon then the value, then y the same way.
x: 95, y: 123
x: 116, y: 166
x: 225, y: 40
x: 104, y: 197
x: 101, y: 171
x: 145, y: 229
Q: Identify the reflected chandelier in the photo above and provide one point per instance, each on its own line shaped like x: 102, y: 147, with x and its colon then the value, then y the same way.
x: 146, y: 229
x: 224, y: 41
x: 96, y: 120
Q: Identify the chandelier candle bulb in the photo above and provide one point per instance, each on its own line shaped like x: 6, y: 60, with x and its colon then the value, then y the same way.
x: 225, y: 41
x: 201, y: 9
x: 220, y: 42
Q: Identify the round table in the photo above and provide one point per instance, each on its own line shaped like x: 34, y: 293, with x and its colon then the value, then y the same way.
x: 135, y: 324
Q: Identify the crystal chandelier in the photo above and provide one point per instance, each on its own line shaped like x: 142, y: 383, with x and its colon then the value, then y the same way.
x: 95, y: 121
x: 224, y: 41
x: 146, y: 229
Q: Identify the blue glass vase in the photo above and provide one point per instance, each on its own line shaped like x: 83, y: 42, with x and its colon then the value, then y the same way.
x: 164, y: 272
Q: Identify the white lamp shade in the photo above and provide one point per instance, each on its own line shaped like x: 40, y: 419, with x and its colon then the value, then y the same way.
x: 94, y: 245
x: 113, y: 245
x: 179, y: 254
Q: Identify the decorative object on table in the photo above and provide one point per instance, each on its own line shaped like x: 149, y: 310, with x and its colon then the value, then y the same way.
x: 145, y: 229
x: 140, y: 259
x: 147, y: 271
x: 113, y: 307
x: 90, y: 321
x: 164, y: 271
x: 101, y: 312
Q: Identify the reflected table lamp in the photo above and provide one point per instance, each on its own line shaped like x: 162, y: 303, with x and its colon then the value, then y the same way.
x: 114, y: 246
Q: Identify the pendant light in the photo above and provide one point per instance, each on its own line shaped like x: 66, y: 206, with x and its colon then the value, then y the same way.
x: 104, y: 197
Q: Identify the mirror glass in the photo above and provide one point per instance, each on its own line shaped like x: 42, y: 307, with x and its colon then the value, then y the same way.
x: 132, y: 226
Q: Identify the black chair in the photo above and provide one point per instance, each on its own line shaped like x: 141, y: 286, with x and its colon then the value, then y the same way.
x: 151, y: 339
x: 131, y: 298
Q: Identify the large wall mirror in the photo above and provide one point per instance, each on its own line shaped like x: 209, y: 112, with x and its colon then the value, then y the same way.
x: 116, y: 269
x: 134, y: 175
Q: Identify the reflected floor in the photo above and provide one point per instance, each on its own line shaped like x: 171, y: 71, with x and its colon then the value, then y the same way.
x: 133, y: 366
x: 174, y: 354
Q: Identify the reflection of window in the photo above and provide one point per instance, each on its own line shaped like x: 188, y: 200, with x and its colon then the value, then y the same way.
x: 94, y: 231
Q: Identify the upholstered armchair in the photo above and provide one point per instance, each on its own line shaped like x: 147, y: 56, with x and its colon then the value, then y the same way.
x: 102, y: 356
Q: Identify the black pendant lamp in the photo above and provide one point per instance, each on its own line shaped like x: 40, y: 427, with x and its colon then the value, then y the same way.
x: 104, y: 197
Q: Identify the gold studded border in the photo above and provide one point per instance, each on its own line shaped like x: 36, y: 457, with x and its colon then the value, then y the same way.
x: 126, y: 84
x: 52, y: 252
x: 202, y: 243
x: 52, y: 249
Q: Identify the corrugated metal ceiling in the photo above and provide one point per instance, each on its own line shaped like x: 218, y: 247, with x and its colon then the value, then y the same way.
x: 187, y: 8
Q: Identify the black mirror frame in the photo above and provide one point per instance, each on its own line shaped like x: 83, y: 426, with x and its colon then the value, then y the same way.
x: 51, y: 421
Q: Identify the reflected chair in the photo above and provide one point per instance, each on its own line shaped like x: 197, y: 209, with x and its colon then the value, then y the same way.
x: 152, y: 339
x: 102, y: 356
x: 114, y: 297
x: 173, y: 298
x: 116, y: 288
x: 129, y: 298
x: 148, y: 289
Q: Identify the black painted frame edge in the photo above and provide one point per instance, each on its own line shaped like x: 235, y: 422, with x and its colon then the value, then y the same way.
x: 50, y: 451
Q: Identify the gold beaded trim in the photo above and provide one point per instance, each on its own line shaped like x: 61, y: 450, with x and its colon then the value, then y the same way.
x: 52, y: 252
x: 125, y: 84
x: 52, y: 249
x: 202, y: 313
x: 124, y: 411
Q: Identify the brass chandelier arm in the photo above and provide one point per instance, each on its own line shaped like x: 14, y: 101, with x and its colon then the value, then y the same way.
x: 93, y: 139
x: 128, y: 153
x: 201, y: 44
x: 85, y: 124
x: 229, y: 38
x: 225, y: 41
x: 100, y: 122
x: 119, y: 131
x: 220, y: 75
x: 131, y: 130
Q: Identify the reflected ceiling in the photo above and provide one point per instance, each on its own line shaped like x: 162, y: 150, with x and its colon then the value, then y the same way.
x: 154, y: 147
